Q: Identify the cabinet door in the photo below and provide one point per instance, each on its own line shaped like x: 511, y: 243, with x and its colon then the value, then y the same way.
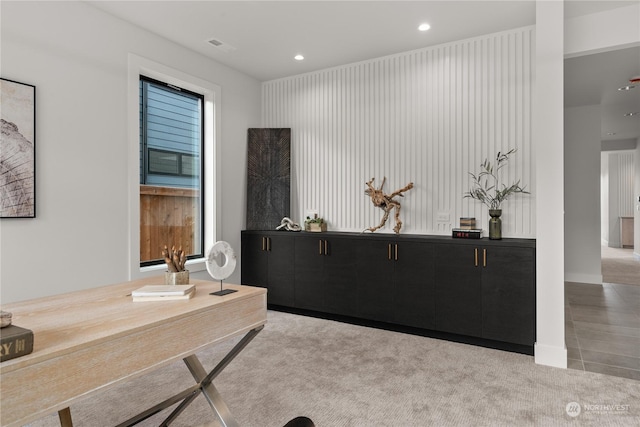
x: 254, y: 260
x: 414, y: 283
x: 458, y: 289
x: 340, y: 276
x: 508, y: 295
x: 375, y: 285
x: 309, y: 271
x: 280, y: 270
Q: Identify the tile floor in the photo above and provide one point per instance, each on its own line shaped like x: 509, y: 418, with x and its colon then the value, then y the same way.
x: 602, y: 328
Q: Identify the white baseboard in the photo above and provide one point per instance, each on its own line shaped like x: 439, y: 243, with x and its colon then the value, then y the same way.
x: 550, y: 355
x: 583, y: 278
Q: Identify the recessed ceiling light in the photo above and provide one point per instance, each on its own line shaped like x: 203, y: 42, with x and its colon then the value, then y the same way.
x: 635, y: 113
x: 298, y: 57
x: 627, y: 87
x: 424, y: 27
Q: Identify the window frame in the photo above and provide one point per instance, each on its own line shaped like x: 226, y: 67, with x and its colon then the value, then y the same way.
x: 139, y: 66
x: 146, y: 163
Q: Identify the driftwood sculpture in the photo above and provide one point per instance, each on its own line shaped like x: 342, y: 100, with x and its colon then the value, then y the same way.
x: 386, y: 203
x: 175, y: 259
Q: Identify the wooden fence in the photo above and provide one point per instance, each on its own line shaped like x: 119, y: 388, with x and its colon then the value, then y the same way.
x: 168, y: 216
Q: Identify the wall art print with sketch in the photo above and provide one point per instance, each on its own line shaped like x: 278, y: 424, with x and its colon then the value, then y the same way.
x: 17, y: 149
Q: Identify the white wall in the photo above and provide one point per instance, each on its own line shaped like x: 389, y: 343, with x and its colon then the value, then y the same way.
x: 581, y: 195
x: 76, y: 56
x: 428, y: 116
x: 636, y: 201
x: 598, y: 32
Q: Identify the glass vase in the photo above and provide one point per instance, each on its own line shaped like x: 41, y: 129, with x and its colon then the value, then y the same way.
x: 495, y: 224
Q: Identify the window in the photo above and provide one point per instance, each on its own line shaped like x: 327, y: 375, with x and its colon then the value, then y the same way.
x: 162, y: 162
x: 171, y: 170
x: 209, y: 164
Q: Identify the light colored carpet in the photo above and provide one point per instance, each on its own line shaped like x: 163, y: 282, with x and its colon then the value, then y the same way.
x: 620, y: 266
x: 345, y: 375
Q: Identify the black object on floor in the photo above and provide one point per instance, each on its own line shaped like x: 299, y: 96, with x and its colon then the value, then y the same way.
x: 300, y: 422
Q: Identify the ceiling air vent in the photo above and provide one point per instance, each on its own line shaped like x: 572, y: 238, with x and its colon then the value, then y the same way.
x: 220, y: 45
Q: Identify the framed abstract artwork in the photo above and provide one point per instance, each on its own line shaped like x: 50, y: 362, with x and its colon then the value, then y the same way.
x: 17, y: 150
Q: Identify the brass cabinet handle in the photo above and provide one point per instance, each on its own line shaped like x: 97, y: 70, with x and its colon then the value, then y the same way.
x: 264, y: 243
x: 389, y: 255
x: 396, y: 251
x: 320, y: 247
x: 476, y: 256
x: 484, y: 257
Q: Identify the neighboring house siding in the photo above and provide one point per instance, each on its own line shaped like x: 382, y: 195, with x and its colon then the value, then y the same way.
x: 172, y: 131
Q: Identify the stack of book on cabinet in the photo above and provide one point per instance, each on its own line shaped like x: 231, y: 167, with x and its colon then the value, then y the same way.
x: 163, y: 292
x: 467, y: 229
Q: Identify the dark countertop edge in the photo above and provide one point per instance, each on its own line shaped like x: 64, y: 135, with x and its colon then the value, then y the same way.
x: 431, y: 238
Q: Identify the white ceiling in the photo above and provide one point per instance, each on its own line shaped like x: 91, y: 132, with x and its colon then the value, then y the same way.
x: 266, y: 35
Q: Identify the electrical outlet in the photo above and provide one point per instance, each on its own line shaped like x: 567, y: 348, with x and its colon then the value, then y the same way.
x: 443, y: 217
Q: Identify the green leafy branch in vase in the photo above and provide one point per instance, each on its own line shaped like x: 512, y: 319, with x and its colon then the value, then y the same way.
x: 487, y: 187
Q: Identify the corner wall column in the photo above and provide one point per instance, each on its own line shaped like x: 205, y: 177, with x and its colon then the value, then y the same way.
x: 548, y: 141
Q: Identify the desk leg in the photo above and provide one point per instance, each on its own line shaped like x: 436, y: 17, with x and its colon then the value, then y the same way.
x: 210, y: 392
x: 203, y: 386
x: 65, y: 417
x: 205, y: 380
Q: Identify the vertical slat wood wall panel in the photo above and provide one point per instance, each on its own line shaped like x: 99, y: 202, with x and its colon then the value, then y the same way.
x: 429, y: 116
x: 625, y: 188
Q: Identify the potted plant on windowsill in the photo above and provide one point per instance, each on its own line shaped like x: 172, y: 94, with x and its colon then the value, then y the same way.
x: 315, y: 224
x: 488, y: 189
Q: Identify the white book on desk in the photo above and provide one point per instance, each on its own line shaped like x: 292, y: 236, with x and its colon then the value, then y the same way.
x: 163, y: 290
x: 163, y: 297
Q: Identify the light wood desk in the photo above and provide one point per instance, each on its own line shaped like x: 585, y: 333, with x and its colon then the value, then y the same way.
x: 93, y: 339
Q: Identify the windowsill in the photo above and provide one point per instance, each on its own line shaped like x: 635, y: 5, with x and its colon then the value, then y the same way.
x: 193, y: 265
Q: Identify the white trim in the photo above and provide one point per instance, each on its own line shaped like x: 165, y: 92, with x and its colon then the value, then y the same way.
x: 550, y: 355
x: 212, y: 210
x: 583, y: 278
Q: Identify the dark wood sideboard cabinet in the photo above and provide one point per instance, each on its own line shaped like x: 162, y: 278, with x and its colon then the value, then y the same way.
x: 476, y: 291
